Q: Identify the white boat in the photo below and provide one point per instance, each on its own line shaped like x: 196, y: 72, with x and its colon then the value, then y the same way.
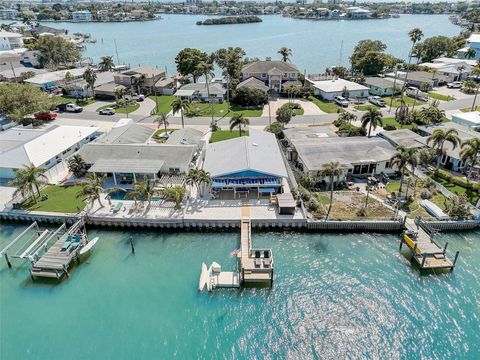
x: 88, y: 247
x: 209, y: 276
x: 204, y: 278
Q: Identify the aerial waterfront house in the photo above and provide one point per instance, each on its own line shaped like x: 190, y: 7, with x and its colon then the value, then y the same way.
x: 10, y: 41
x: 356, y: 12
x: 55, y: 78
x: 310, y: 148
x: 149, y: 78
x: 8, y: 13
x: 246, y: 167
x: 46, y: 148
x: 419, y: 79
x: 83, y: 15
x: 253, y: 83
x: 198, y: 91
x: 473, y: 42
x: 453, y: 69
x: 17, y: 73
x: 330, y: 87
x: 404, y: 137
x: 273, y: 73
x: 383, y: 86
x: 451, y: 159
x: 469, y: 119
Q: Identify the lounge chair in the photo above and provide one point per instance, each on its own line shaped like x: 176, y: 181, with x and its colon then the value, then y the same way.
x: 76, y: 242
x: 67, y: 243
x: 258, y: 263
x: 267, y: 262
x: 117, y: 207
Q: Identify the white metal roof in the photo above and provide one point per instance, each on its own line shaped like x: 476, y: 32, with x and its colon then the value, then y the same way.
x: 54, y: 76
x: 336, y: 85
x: 472, y: 117
x: 257, y: 152
x: 474, y: 38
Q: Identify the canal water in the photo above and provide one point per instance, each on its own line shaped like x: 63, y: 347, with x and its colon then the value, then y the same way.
x: 334, y: 296
x: 315, y: 44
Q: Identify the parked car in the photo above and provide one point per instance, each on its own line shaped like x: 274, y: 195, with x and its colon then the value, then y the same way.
x: 455, y: 85
x: 377, y: 100
x: 107, y: 111
x: 46, y: 115
x: 415, y: 93
x: 136, y: 97
x: 340, y: 100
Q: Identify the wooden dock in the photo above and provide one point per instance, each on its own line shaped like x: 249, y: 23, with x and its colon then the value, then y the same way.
x: 426, y: 252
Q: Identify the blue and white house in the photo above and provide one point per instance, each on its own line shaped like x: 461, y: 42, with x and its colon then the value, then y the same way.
x: 83, y: 15
x: 473, y: 42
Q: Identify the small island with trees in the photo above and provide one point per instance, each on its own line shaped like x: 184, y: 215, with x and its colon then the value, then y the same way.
x: 227, y: 20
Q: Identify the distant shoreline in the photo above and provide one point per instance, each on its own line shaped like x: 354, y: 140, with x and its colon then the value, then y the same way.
x: 231, y: 20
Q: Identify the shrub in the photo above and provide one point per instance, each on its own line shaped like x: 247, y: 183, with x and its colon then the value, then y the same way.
x: 276, y: 128
x: 362, y: 212
x: 246, y: 96
x: 457, y: 180
x: 313, y: 205
x: 390, y: 127
x: 304, y: 193
x: 284, y: 114
x: 425, y: 194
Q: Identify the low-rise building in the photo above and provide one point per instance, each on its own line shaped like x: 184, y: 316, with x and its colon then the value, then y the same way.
x: 356, y: 12
x: 404, y: 137
x: 468, y: 119
x: 83, y: 15
x: 473, y: 42
x: 141, y: 77
x: 453, y: 69
x: 18, y: 74
x: 329, y: 88
x: 8, y: 13
x: 42, y: 148
x: 383, y: 86
x: 272, y: 73
x: 10, y: 41
x: 43, y: 30
x: 55, y: 78
x: 198, y: 91
x: 420, y: 79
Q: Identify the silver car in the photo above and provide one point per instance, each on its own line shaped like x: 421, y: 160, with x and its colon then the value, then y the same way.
x: 107, y: 111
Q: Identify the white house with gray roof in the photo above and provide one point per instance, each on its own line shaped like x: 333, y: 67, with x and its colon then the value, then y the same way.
x: 329, y: 88
x: 198, y: 91
x: 273, y: 73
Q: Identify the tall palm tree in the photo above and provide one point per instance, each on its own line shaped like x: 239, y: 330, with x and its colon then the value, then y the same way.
x: 90, y: 77
x: 331, y: 170
x: 400, y: 160
x: 438, y: 139
x: 192, y: 177
x: 140, y: 82
x: 28, y: 181
x: 401, y: 114
x: 372, y: 118
x: 347, y: 116
x: 476, y: 72
x: 180, y: 105
x: 206, y: 69
x: 162, y: 120
x: 238, y: 120
x: 92, y: 188
x: 106, y: 63
x: 470, y: 152
x: 470, y: 53
x: 143, y: 190
x: 77, y: 166
x: 415, y: 36
x: 285, y: 53
x: 203, y: 179
x: 432, y: 114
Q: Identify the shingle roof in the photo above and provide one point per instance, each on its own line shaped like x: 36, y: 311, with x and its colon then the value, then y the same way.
x: 266, y: 66
x: 187, y: 136
x: 404, y: 137
x: 253, y: 83
x: 257, y: 152
x: 214, y: 88
x: 130, y: 133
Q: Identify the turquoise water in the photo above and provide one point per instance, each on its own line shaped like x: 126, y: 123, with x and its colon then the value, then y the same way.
x: 315, y: 44
x: 335, y: 296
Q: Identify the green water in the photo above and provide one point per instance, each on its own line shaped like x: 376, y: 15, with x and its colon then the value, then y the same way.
x: 335, y: 296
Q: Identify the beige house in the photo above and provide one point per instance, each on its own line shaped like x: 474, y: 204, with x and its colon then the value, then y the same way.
x: 153, y: 80
x: 274, y: 74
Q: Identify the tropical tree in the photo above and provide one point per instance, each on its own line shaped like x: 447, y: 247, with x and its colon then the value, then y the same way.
x: 68, y: 78
x: 77, y: 166
x: 439, y: 137
x: 240, y: 121
x: 143, y: 190
x: 347, y: 116
x: 469, y: 86
x: 432, y: 114
x: 90, y: 77
x: 162, y: 120
x: 55, y: 51
x: 284, y: 114
x: 470, y: 53
x: 230, y: 61
x: 285, y: 53
x: 28, y: 181
x: 198, y: 178
x: 140, y: 82
x: 106, y: 63
x: 18, y: 101
x: 470, y: 152
x: 175, y: 194
x: 415, y: 36
x: 206, y: 69
x: 180, y: 105
x: 92, y: 188
x: 402, y: 113
x: 372, y: 118
x: 187, y: 61
x: 331, y: 170
x: 401, y: 160
x: 292, y: 91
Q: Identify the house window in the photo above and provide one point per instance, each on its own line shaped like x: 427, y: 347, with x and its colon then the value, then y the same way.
x: 174, y: 170
x: 285, y: 75
x: 356, y: 169
x: 387, y: 165
x: 293, y: 75
x: 264, y: 75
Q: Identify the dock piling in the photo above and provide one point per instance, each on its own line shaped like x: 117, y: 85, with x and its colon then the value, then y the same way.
x: 7, y: 260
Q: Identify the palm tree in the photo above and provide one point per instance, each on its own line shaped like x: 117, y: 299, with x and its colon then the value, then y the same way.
x: 470, y: 53
x: 203, y: 179
x: 285, y: 53
x: 90, y: 77
x: 77, y: 166
x: 347, y: 116
x: 238, y: 120
x: 106, y: 63
x: 180, y: 105
x: 401, y: 114
x: 92, y: 188
x: 415, y: 36
x: 372, y: 118
x: 192, y: 177
x: 332, y: 170
x: 476, y: 72
x: 438, y: 139
x: 470, y: 152
x: 162, y: 120
x: 403, y: 158
x: 140, y: 82
x: 198, y: 178
x: 143, y: 190
x: 206, y: 69
x: 432, y: 114
x: 28, y: 181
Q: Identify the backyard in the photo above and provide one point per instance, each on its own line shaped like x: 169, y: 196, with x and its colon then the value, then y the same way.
x: 325, y: 106
x: 164, y: 103
x: 221, y: 135
x: 61, y: 199
x: 472, y: 196
x: 440, y: 97
x: 220, y: 110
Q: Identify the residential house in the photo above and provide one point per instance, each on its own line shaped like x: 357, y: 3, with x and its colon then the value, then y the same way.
x: 253, y: 83
x: 40, y: 147
x: 451, y: 159
x: 333, y: 86
x: 473, y: 42
x: 10, y: 41
x: 55, y: 78
x: 273, y: 74
x: 420, y: 79
x: 383, y: 86
x: 83, y: 15
x: 80, y: 88
x: 103, y: 15
x: 469, y: 119
x: 246, y: 167
x: 42, y: 30
x: 132, y: 78
x: 18, y: 74
x: 8, y: 13
x: 404, y: 137
x: 198, y: 91
x: 453, y: 69
x: 355, y: 12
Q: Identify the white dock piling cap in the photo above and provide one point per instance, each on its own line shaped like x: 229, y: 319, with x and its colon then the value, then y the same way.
x: 216, y: 267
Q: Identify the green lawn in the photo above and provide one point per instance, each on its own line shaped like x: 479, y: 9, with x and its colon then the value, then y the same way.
x: 248, y: 112
x: 122, y: 110
x: 221, y: 135
x: 67, y: 99
x: 219, y: 110
x: 392, y: 121
x: 299, y: 111
x: 472, y: 196
x: 164, y: 103
x: 408, y: 100
x: 440, y: 97
x: 60, y: 199
x: 468, y: 109
x: 326, y: 106
x: 365, y: 107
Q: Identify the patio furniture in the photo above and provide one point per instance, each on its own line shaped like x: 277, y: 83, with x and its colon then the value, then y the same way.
x: 258, y: 263
x: 117, y: 207
x: 67, y: 243
x: 267, y: 262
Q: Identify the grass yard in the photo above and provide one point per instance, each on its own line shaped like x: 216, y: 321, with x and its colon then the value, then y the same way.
x: 326, y: 106
x: 472, y: 195
x: 468, y: 109
x: 164, y: 103
x: 366, y: 107
x: 220, y: 110
x: 248, y: 112
x: 440, y: 97
x: 392, y: 121
x: 221, y: 135
x: 61, y: 199
x: 122, y: 110
x: 299, y: 111
x: 67, y: 99
x: 408, y: 101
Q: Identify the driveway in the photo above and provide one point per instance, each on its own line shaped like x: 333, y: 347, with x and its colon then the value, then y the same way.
x: 309, y: 107
x: 146, y: 107
x: 456, y: 93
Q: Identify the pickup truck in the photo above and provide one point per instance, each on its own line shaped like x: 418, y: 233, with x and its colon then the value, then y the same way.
x: 70, y: 107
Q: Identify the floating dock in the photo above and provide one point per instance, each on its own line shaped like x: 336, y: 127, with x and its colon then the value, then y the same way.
x: 426, y: 252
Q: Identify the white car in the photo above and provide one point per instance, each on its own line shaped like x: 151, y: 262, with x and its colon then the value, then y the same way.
x: 415, y: 93
x: 340, y: 100
x: 107, y: 111
x: 455, y: 85
x: 376, y: 100
x: 136, y: 97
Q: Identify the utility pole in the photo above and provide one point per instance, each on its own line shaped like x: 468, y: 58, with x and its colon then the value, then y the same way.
x: 394, y: 88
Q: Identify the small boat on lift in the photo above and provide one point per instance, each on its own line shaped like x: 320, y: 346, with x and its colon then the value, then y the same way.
x: 204, y: 278
x: 87, y: 249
